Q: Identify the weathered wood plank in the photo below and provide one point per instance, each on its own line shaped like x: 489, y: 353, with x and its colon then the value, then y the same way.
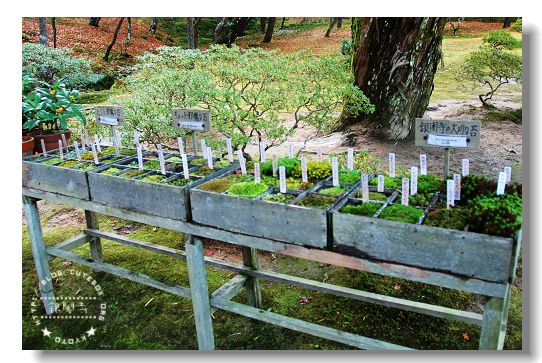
x: 120, y: 272
x: 363, y: 264
x: 462, y: 253
x: 200, y: 292
x: 305, y: 327
x: 250, y: 260
x: 492, y: 334
x: 72, y: 243
x: 259, y: 218
x: 50, y: 178
x: 231, y: 288
x: 40, y: 254
x: 94, y: 242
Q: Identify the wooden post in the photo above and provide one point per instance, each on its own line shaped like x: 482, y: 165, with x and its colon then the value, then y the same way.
x: 199, y: 292
x: 40, y: 255
x: 94, y: 242
x: 492, y: 333
x: 446, y: 162
x: 250, y: 259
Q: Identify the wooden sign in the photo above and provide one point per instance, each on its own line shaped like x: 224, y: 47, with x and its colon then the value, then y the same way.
x: 109, y: 115
x: 350, y: 159
x: 380, y: 187
x: 230, y: 150
x: 195, y: 120
x: 282, y: 179
x: 465, y: 167
x: 335, y: 171
x: 405, y: 191
x: 257, y: 175
x: 450, y: 193
x: 448, y: 134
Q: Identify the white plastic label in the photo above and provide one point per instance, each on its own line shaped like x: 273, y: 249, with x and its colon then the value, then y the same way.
x: 136, y: 138
x: 508, y: 171
x: 404, y: 191
x: 116, y: 142
x: 465, y: 167
x: 210, y: 157
x: 413, y: 180
x: 186, y: 172
x: 203, y: 148
x: 97, y: 143
x: 291, y: 151
x: 447, y: 140
x: 257, y: 176
x: 450, y: 193
x: 83, y: 148
x: 457, y: 184
x: 93, y: 147
x: 380, y: 187
x: 111, y: 121
x: 282, y: 178
x: 391, y: 167
x: 423, y: 164
x: 319, y: 154
x: 501, y: 183
x: 64, y: 142
x: 43, y: 147
x: 275, y: 165
x: 230, y: 150
x: 61, y: 150
x: 139, y: 157
x: 161, y: 159
x: 304, y: 174
x: 350, y: 159
x: 77, y: 153
x: 262, y: 152
x: 335, y: 171
x: 180, y: 144
x: 242, y: 162
x: 365, y: 187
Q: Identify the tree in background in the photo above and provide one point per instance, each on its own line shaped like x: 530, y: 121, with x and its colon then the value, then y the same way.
x: 228, y: 29
x: 455, y: 23
x: 43, y: 31
x: 94, y: 21
x: 192, y: 25
x: 53, y: 24
x: 270, y: 28
x: 394, y: 61
x: 129, y: 32
x: 507, y: 23
x: 106, y: 55
x: 153, y: 26
x: 332, y: 22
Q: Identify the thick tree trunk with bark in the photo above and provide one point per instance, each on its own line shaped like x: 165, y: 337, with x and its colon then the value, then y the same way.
x: 229, y: 29
x: 507, y: 22
x: 113, y: 41
x: 270, y: 29
x: 394, y: 63
x: 339, y: 23
x: 153, y: 26
x: 190, y: 25
x: 263, y: 24
x: 53, y: 24
x: 197, y: 21
x: 43, y: 31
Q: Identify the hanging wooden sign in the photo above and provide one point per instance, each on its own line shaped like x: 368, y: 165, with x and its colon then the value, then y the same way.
x: 447, y: 133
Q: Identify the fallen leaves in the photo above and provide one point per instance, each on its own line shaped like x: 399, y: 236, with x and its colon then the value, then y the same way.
x: 397, y: 287
x: 466, y: 336
x: 303, y: 300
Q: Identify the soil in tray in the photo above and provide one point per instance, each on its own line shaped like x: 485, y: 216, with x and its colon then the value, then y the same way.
x: 69, y: 163
x: 247, y: 189
x: 401, y: 213
x: 335, y: 191
x: 132, y: 173
x: 316, y: 201
x: 279, y: 198
x: 365, y: 209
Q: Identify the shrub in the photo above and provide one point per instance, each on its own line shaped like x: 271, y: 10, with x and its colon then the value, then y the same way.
x: 495, y: 215
x: 346, y: 46
x: 51, y: 64
x: 517, y: 27
x: 502, y: 39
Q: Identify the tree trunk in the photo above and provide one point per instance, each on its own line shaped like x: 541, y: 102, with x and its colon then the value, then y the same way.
x: 94, y: 21
x: 129, y: 33
x: 282, y: 24
x: 220, y: 30
x: 43, y: 31
x: 507, y: 22
x: 263, y: 24
x: 394, y: 63
x: 197, y: 21
x: 106, y: 56
x: 270, y: 28
x: 228, y: 30
x: 153, y: 26
x: 339, y: 23
x: 190, y: 29
x: 53, y: 24
x: 332, y: 22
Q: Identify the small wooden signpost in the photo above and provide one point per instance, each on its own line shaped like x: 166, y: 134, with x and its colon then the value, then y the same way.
x: 111, y: 116
x: 191, y: 119
x: 448, y: 134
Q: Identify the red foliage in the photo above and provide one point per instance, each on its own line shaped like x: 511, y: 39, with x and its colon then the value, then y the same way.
x: 473, y: 27
x: 91, y: 42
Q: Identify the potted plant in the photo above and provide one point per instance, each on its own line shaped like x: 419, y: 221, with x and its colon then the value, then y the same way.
x: 46, y: 111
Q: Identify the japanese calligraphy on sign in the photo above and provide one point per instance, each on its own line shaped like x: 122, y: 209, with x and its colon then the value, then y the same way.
x: 195, y: 120
x: 447, y: 133
x: 109, y: 115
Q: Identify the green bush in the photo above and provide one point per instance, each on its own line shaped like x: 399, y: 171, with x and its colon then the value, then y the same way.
x: 518, y: 25
x: 502, y: 39
x: 346, y: 46
x: 53, y: 64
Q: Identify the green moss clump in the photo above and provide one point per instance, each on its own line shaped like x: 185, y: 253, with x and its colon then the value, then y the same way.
x: 110, y: 171
x: 204, y: 171
x: 198, y: 161
x: 85, y: 167
x: 52, y: 161
x: 402, y: 213
x: 218, y: 185
x: 179, y: 182
x: 132, y: 173
x: 69, y: 163
x: 279, y: 198
x: 349, y: 176
x: 237, y: 178
x: 496, y: 215
x: 316, y: 170
x: 365, y: 209
x: 134, y: 163
x: 420, y: 200
x: 473, y: 186
x: 376, y: 196
x: 332, y: 191
x: 288, y: 163
x: 222, y: 164
x: 389, y: 182
x: 316, y: 201
x: 111, y: 160
x: 174, y: 159
x: 153, y: 165
x: 269, y: 180
x: 107, y: 151
x: 128, y: 152
x: 453, y: 218
x: 153, y: 178
x: 429, y: 183
x: 247, y: 189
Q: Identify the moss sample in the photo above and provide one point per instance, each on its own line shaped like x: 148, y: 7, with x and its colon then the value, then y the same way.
x: 218, y: 185
x: 198, y: 161
x: 247, y: 189
x: 85, y: 167
x: 107, y: 151
x: 332, y: 191
x: 110, y: 171
x: 429, y: 183
x: 288, y: 163
x: 453, y: 218
x: 179, y: 182
x: 132, y: 173
x: 402, y: 213
x: 349, y: 176
x: 376, y: 196
x: 498, y: 215
x: 174, y: 159
x: 237, y: 178
x: 279, y: 198
x: 222, y: 164
x: 153, y: 165
x: 473, y: 186
x: 316, y: 170
x: 365, y: 209
x: 316, y: 201
x: 204, y: 171
x: 69, y: 163
x: 128, y: 152
x: 111, y: 160
x: 420, y: 200
x: 153, y: 178
x: 389, y: 182
x: 51, y: 161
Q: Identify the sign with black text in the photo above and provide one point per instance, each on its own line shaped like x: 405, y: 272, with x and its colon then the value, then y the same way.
x: 109, y: 115
x: 195, y: 120
x: 447, y: 133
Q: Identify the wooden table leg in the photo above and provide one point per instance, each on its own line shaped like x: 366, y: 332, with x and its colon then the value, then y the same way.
x: 199, y: 292
x: 40, y: 255
x: 94, y: 242
x: 250, y: 259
